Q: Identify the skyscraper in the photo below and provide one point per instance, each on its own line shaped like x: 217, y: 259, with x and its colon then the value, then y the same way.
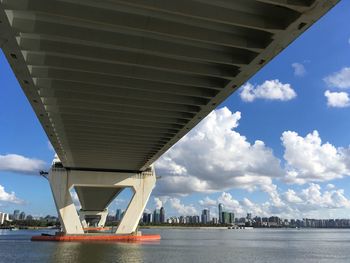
x: 156, y: 216
x: 22, y: 216
x: 16, y: 214
x: 249, y: 216
x: 162, y: 215
x: 146, y: 218
x: 231, y: 218
x: 118, y: 215
x: 221, y: 208
x: 205, y: 216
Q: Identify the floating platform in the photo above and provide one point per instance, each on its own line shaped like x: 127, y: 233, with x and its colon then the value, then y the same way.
x: 99, y: 237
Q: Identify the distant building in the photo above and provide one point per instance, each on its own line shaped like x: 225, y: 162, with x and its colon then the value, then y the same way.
x: 231, y: 218
x: 22, y: 216
x: 221, y: 208
x: 195, y: 219
x: 4, y: 217
x: 162, y: 215
x: 16, y: 215
x: 182, y: 220
x: 249, y: 216
x: 225, y: 217
x: 205, y: 216
x: 146, y: 218
x: 118, y: 215
x: 156, y: 216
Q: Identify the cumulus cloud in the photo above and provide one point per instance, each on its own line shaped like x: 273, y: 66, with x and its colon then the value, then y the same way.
x: 310, y: 160
x: 240, y: 208
x: 214, y: 157
x: 310, y: 200
x: 312, y: 196
x: 299, y: 69
x: 337, y: 99
x: 340, y: 79
x: 9, y: 197
x: 330, y: 186
x: 181, y: 208
x: 207, y: 202
x: 20, y: 164
x: 269, y: 90
x: 158, y: 202
x: 291, y: 197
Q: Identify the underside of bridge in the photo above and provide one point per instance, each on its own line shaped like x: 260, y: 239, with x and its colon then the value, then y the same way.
x: 115, y: 83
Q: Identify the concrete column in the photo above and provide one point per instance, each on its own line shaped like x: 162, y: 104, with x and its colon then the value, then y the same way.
x: 62, y: 180
x: 103, y: 217
x: 142, y: 187
x: 66, y: 210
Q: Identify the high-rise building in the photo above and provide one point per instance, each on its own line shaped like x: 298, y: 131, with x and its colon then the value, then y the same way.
x: 16, y: 215
x: 162, y: 215
x: 156, y: 216
x: 146, y: 218
x: 249, y: 216
x: 22, y: 216
x: 205, y: 216
x: 196, y: 219
x: 221, y: 208
x: 231, y: 218
x: 118, y: 215
x: 225, y: 217
x: 4, y: 217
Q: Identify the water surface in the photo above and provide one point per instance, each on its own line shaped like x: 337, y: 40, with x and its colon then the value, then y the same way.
x: 188, y: 245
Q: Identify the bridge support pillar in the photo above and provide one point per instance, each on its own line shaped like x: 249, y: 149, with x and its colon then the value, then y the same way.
x: 85, y: 213
x: 98, y: 185
x: 67, y: 213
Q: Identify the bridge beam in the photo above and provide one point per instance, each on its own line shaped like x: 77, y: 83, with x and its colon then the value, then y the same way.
x: 62, y: 180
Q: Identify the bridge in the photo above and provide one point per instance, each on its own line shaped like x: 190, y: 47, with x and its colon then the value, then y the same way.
x: 116, y: 83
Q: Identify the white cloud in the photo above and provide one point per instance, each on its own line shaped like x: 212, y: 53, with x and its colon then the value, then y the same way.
x: 312, y: 196
x: 158, y: 202
x: 181, y: 208
x: 310, y: 201
x: 269, y: 90
x: 291, y: 197
x: 207, y: 202
x: 308, y: 160
x: 230, y: 204
x: 337, y: 99
x: 9, y: 197
x: 340, y: 79
x: 214, y: 157
x: 299, y: 69
x: 330, y: 186
x: 20, y: 164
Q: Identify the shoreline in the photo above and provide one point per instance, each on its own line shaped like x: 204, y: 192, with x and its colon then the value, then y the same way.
x: 183, y: 227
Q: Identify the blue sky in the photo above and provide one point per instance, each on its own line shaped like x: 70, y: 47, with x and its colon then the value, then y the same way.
x: 322, y: 55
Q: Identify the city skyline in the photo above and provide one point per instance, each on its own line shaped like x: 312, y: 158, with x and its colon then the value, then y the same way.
x: 158, y: 217
x: 278, y: 145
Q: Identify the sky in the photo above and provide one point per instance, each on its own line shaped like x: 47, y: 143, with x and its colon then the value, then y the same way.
x: 278, y: 146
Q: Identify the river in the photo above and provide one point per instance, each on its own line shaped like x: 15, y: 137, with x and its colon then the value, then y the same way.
x: 188, y: 245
